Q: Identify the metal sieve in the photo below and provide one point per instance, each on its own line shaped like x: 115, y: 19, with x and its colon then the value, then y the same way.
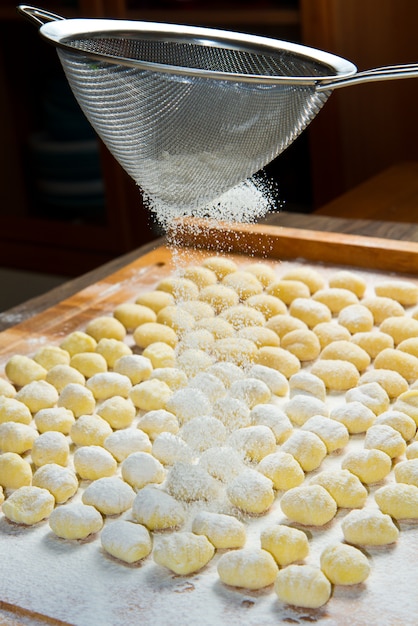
x: 191, y: 112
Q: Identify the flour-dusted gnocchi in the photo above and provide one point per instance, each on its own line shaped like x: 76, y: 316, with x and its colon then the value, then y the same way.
x: 267, y: 304
x: 327, y: 332
x: 126, y: 541
x: 37, y: 395
x: 157, y: 510
x: 392, y: 382
x: 135, y: 366
x: 220, y: 265
x: 308, y: 275
x: 275, y: 381
x: 92, y: 462
x: 370, y: 466
x: 252, y: 391
x: 275, y: 418
x: 109, y: 495
x: 335, y: 298
x: 344, y: 564
x: 175, y: 317
x: 188, y: 403
x: 140, y: 469
x: 399, y: 500
x: 336, y: 374
x: 400, y: 328
x: 181, y: 288
x: 22, y: 370
x: 310, y: 505
x: 355, y: 416
x: 369, y: 527
x: 89, y: 363
x: 253, y: 442
x: 225, y: 532
x: 251, y: 568
x: 344, y: 486
x: 60, y: 481
x: 373, y: 342
x: 7, y: 390
x: 303, y: 586
x: 200, y: 275
x: 371, y: 395
x: 55, y: 418
x: 153, y: 423
x: 50, y: 447
x: 48, y: 356
x: 383, y: 307
x: 307, y: 383
x: 400, y: 421
x: 356, y: 318
x: 15, y: 471
x: 28, y: 505
x: 407, y: 402
x: 301, y: 407
x: 16, y: 437
x: 285, y: 543
x: 282, y: 324
x: 90, y: 430
x: 190, y: 483
x: 183, y: 552
x: 219, y: 297
x: 334, y: 434
x: 385, y: 438
x: 282, y: 469
x: 105, y: 385
x: 263, y: 271
x: 246, y: 284
x: 403, y: 291
x: 237, y: 350
x: 304, y: 344
x: 62, y: 375
x: 204, y: 432
x: 278, y: 358
x: 169, y: 448
x: 251, y: 492
x: 75, y: 521
x: 346, y: 351
x: 78, y: 399
x: 122, y: 443
x: 160, y: 354
x: 308, y: 449
x: 345, y: 279
x: 288, y: 290
x: 223, y: 463
x: 260, y: 335
x: 118, y: 411
x: 310, y: 311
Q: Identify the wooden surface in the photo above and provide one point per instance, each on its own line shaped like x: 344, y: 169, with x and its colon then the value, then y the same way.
x: 390, y: 231
x: 391, y: 195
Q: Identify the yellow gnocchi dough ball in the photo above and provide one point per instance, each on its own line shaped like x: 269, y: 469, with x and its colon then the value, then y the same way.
x: 183, y: 552
x: 38, y: 395
x: 89, y: 363
x: 153, y: 423
x: 334, y: 435
x: 407, y: 471
x: 220, y: 265
x: 157, y: 510
x: 15, y: 471
x: 370, y: 466
x: 302, y: 407
x: 275, y: 381
x: 344, y: 279
x: 400, y: 421
x: 198, y: 339
x: 268, y: 305
x: 78, y: 399
x: 252, y: 391
x: 133, y: 314
x: 198, y: 309
x: 181, y: 288
x: 285, y: 543
x: 408, y: 403
x: 200, y: 275
x: 224, y: 532
x: 392, y: 382
x: 307, y: 383
x: 160, y: 354
x: 272, y: 416
x: 78, y: 341
x: 21, y: 370
x: 346, y: 351
x: 119, y: 412
x: 307, y: 448
x: 400, y: 328
x: 240, y: 316
x: 311, y: 277
x: 288, y: 290
x: 263, y: 271
x: 303, y: 585
x: 251, y: 492
x: 122, y: 443
x: 237, y: 350
x: 135, y: 366
x: 383, y: 307
x: 219, y: 297
x: 203, y: 432
x: 176, y: 318
x: 49, y: 356
x: 399, y: 500
x: 28, y: 505
x: 403, y: 291
x: 92, y: 462
x: 356, y: 318
x: 75, y: 520
x: 304, y: 344
x: 282, y: 469
x: 153, y: 332
x: 344, y: 565
x: 282, y: 324
x: 372, y: 342
x: 249, y: 568
x: 112, y: 350
x: 60, y: 481
x: 346, y: 488
x: 219, y: 328
x: 140, y: 469
x: 369, y: 527
x: 279, y: 359
x: 401, y: 362
x: 155, y: 300
x: 385, y: 438
x: 337, y: 374
x: 126, y: 541
x: 50, y: 447
x: 107, y: 327
x: 254, y: 442
x: 150, y: 395
x: 328, y: 332
x: 412, y: 450
x: 169, y: 449
x: 90, y: 430
x: 335, y: 298
x: 15, y: 437
x: 310, y: 505
x: 310, y: 312
x: 244, y: 283
x: 355, y: 416
x: 56, y: 418
x: 62, y: 375
x: 12, y: 410
x: 110, y: 495
x: 105, y: 385
x: 188, y: 482
x: 7, y: 390
x: 371, y: 395
x: 409, y: 345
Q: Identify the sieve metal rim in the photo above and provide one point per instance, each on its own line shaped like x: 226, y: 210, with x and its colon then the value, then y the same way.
x: 61, y: 32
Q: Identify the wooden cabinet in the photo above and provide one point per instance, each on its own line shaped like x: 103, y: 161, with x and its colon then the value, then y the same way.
x: 39, y: 227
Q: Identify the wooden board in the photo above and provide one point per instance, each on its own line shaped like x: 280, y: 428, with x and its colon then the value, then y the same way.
x: 46, y: 580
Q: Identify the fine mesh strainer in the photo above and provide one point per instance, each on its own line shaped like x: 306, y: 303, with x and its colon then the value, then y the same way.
x: 191, y: 112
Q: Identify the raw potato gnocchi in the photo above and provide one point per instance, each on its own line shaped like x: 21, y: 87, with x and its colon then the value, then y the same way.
x: 183, y: 552
x: 28, y: 505
x: 303, y: 585
x: 344, y: 565
x: 126, y: 541
x: 251, y: 568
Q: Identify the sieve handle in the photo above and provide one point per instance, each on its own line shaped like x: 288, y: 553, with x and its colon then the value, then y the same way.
x: 388, y: 72
x: 38, y: 16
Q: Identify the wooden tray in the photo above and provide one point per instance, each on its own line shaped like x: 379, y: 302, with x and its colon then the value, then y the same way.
x: 47, y: 581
